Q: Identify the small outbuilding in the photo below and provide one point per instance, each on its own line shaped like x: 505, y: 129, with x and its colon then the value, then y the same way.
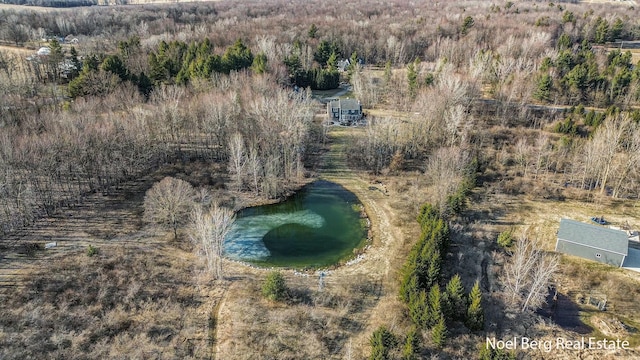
x: 592, y: 242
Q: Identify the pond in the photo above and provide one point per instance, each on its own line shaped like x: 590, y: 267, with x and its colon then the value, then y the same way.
x: 318, y: 226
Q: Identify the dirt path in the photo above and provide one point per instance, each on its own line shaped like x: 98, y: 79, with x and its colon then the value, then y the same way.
x: 373, y: 196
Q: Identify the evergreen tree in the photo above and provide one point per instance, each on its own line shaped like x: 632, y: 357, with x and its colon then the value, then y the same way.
x: 475, y: 313
x: 455, y: 301
x: 411, y: 343
x: 75, y: 61
x: 419, y: 308
x: 434, y: 312
x: 433, y: 272
x: 237, y: 57
x: 114, y: 64
x: 145, y: 86
x: 427, y: 214
x: 564, y: 42
x: 332, y: 62
x: 439, y: 333
x: 353, y: 64
x: 259, y: 65
x: 157, y: 72
x: 409, y: 279
x: 313, y: 31
x: 274, y: 287
x: 602, y: 31
x: 324, y: 51
x: 382, y: 341
x: 56, y: 56
x: 543, y: 92
x: 617, y: 30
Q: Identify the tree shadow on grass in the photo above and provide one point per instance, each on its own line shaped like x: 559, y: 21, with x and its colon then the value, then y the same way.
x: 564, y: 312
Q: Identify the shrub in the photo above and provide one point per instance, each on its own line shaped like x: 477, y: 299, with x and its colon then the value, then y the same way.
x: 92, y: 250
x: 274, y: 287
x: 505, y: 239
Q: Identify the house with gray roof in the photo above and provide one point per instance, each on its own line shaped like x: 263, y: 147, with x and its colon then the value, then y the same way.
x: 345, y: 111
x: 592, y: 242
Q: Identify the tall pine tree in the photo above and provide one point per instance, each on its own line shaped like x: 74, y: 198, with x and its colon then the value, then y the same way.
x: 475, y: 313
x: 454, y: 299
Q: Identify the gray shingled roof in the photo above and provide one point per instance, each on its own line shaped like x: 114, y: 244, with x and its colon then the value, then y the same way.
x: 594, y: 236
x: 349, y: 104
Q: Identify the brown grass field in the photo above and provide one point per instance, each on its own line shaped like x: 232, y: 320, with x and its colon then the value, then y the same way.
x: 144, y: 295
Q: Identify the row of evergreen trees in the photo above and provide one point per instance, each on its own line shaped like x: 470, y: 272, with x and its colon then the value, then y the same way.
x: 318, y: 78
x: 322, y: 73
x: 177, y: 62
x: 429, y: 306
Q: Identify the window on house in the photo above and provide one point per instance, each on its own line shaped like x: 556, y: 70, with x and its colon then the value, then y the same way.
x: 598, y: 255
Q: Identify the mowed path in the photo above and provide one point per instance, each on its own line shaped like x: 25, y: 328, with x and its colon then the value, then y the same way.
x: 384, y: 254
x: 373, y: 196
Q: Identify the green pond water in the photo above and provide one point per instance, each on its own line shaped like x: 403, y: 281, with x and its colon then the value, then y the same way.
x: 316, y: 227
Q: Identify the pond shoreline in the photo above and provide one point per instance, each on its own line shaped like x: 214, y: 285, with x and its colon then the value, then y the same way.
x: 353, y: 203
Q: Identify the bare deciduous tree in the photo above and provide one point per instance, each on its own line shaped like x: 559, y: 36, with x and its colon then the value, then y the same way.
x: 445, y: 170
x: 527, y: 274
x: 237, y: 160
x: 169, y: 203
x: 208, y: 231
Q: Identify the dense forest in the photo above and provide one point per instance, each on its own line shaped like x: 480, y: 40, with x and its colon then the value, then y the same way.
x: 522, y: 97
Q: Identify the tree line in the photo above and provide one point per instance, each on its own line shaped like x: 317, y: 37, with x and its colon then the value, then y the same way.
x: 56, y: 158
x: 432, y: 305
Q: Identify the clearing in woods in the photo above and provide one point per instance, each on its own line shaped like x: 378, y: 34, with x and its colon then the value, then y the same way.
x: 373, y: 276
